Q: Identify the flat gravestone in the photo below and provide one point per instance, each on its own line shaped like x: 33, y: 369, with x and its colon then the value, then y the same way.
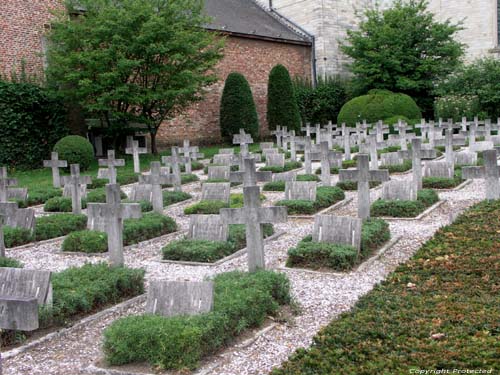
x: 300, y: 190
x: 225, y: 159
x: 466, y: 158
x: 17, y: 217
x: 438, y: 169
x: 207, y: 227
x: 399, y: 190
x: 275, y: 160
x: 172, y: 298
x: 342, y: 230
x: 285, y: 176
x: 391, y: 158
x: 219, y: 191
x: 141, y: 192
x: 219, y: 172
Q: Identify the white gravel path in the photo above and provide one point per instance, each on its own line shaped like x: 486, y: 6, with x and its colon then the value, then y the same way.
x: 321, y: 296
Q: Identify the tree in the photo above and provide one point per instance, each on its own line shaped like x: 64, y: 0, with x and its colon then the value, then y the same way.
x: 282, y: 108
x: 403, y: 49
x: 237, y: 107
x: 134, y: 61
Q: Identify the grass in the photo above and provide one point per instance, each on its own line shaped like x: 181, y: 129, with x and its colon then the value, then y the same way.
x: 326, y: 196
x: 438, y: 311
x: 400, y: 208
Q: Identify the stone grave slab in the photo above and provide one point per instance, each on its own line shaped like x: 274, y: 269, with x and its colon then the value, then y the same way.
x: 219, y: 191
x: 207, y: 227
x: 342, y: 230
x: 300, y: 190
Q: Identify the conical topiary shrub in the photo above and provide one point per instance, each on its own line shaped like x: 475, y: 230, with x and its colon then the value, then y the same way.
x: 237, y: 108
x: 282, y: 108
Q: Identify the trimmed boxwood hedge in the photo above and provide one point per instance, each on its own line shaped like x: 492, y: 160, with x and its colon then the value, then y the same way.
x: 210, y: 251
x: 61, y: 204
x: 326, y: 196
x: 241, y: 301
x: 400, y: 208
x: 289, y: 165
x: 171, y: 197
x: 86, y: 241
x: 399, y: 168
x: 39, y: 195
x: 185, y: 179
x: 75, y: 150
x: 353, y: 185
x: 318, y: 255
x: 195, y: 166
x: 99, y: 195
x: 213, y: 207
x: 280, y: 185
x: 10, y: 262
x: 449, y: 287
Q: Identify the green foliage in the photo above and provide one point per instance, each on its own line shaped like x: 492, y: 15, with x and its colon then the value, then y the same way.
x: 32, y: 120
x: 472, y: 87
x: 86, y: 241
x: 99, y: 195
x: 241, y: 301
x: 400, y: 208
x: 378, y: 105
x: 353, y: 185
x: 448, y: 287
x: 237, y: 108
x: 16, y: 236
x: 171, y: 197
x: 60, y: 204
x: 280, y: 185
x: 399, y: 168
x: 58, y: 225
x: 403, y: 49
x: 443, y: 182
x: 282, y: 108
x: 9, y: 262
x: 82, y: 290
x: 155, y: 57
x: 318, y: 255
x: 75, y: 150
x: 326, y: 196
x: 40, y: 195
x: 150, y: 225
x: 205, y: 208
x: 185, y: 179
x: 289, y: 165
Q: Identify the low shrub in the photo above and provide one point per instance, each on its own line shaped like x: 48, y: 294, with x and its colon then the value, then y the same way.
x: 75, y: 150
x: 150, y: 225
x: 10, y: 262
x: 318, y: 255
x: 326, y: 196
x: 353, y: 185
x: 60, y: 204
x: 441, y: 182
x: 195, y: 166
x: 99, y: 195
x: 400, y: 208
x: 171, y: 197
x: 241, y: 301
x: 98, y: 183
x: 213, y: 207
x: 185, y: 179
x: 17, y: 236
x: 86, y: 241
x: 290, y: 165
x: 126, y: 177
x: 280, y: 185
x: 146, y: 206
x: 58, y: 225
x: 399, y: 168
x: 38, y: 196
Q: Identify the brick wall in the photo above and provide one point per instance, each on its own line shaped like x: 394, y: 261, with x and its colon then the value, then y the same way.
x: 254, y: 59
x: 22, y: 26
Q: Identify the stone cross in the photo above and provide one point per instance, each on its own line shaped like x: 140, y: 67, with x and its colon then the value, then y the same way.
x: 318, y: 134
x: 346, y: 139
x: 249, y: 176
x: 55, y: 164
x: 490, y: 172
x: 363, y: 175
x: 5, y: 183
x: 2, y: 240
x: 372, y: 140
x: 253, y: 215
x: 424, y: 129
x: 243, y: 140
x: 380, y: 130
x: 279, y: 135
x: 402, y: 128
x: 307, y: 155
x: 111, y: 163
x: 191, y: 153
x: 156, y: 179
x: 327, y: 158
x: 76, y: 181
x: 308, y: 129
x: 293, y: 140
x: 329, y: 130
x: 449, y: 141
x: 135, y: 150
x: 416, y: 154
x: 207, y: 227
x: 113, y: 212
x: 343, y: 230
x: 174, y: 161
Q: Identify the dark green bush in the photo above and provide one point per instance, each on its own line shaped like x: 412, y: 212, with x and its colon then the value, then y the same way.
x: 126, y: 177
x: 205, y: 208
x: 441, y: 182
x: 9, y: 262
x: 378, y: 105
x: 75, y: 150
x: 289, y: 165
x: 32, y: 120
x: 195, y: 166
x: 86, y: 241
x: 282, y: 108
x: 16, y: 236
x: 38, y: 196
x: 146, y: 206
x: 237, y: 108
x: 185, y: 179
x: 241, y: 301
x: 353, y: 185
x: 150, y: 225
x: 400, y: 168
x: 60, y: 204
x: 98, y: 183
x: 280, y: 185
x: 171, y: 197
x: 399, y: 208
x: 99, y: 195
x: 58, y: 225
x: 326, y: 196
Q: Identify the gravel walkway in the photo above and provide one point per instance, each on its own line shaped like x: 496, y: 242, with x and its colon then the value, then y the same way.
x: 321, y: 296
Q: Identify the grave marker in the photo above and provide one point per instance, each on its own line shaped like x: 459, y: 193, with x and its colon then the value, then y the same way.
x: 275, y: 160
x: 111, y: 163
x: 243, y: 140
x: 249, y: 176
x: 218, y: 191
x: 207, y: 227
x: 5, y: 183
x: 174, y: 162
x: 490, y: 172
x: 75, y: 182
x: 55, y: 164
x: 156, y: 179
x: 219, y: 172
x: 342, y: 230
x: 300, y: 190
x: 135, y: 150
x: 399, y: 190
x: 190, y: 153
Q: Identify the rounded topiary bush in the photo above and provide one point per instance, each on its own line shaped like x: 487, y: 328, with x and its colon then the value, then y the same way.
x: 75, y: 150
x: 237, y: 108
x: 378, y: 105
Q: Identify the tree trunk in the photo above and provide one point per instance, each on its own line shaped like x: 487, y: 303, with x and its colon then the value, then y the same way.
x: 154, y: 150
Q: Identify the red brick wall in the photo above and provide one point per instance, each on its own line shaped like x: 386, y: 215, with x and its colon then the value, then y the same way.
x: 254, y: 59
x: 22, y: 26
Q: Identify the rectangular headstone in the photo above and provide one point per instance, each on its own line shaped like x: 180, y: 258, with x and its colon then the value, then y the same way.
x: 390, y: 158
x: 219, y: 191
x: 270, y: 151
x: 301, y: 190
x: 266, y: 145
x: 399, y: 190
x: 275, y: 160
x: 285, y: 176
x: 465, y: 158
x: 18, y: 314
x: 172, y: 298
x: 219, y: 172
x: 342, y: 230
x: 225, y: 159
x: 207, y: 227
x: 17, y: 193
x: 141, y: 192
x: 438, y: 169
x: 24, y: 283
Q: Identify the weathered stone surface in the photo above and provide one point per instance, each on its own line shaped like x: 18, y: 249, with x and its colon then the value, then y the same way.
x: 438, y: 169
x: 285, y: 176
x: 219, y: 191
x: 275, y: 160
x: 18, y: 314
x: 219, y: 172
x: 25, y: 283
x: 341, y: 230
x: 300, y: 190
x: 207, y: 227
x: 399, y: 190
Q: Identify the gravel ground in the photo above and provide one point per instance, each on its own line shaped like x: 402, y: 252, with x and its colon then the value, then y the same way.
x: 320, y: 296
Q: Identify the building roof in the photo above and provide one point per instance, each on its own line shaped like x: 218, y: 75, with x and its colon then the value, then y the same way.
x: 247, y: 18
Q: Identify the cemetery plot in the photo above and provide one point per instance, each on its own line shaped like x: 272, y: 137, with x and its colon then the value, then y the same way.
x: 326, y: 196
x: 213, y: 207
x: 404, y: 208
x: 288, y: 166
x: 279, y: 184
x: 339, y: 243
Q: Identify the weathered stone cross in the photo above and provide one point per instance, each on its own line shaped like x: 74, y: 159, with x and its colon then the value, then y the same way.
x: 346, y: 140
x: 191, y: 153
x: 114, y: 212
x: 111, y: 163
x: 308, y: 129
x: 363, y: 175
x: 156, y: 179
x: 249, y: 176
x: 55, y: 164
x: 135, y: 150
x: 279, y: 132
x: 2, y: 241
x: 5, y: 183
x: 253, y: 215
x: 174, y: 161
x: 490, y: 172
x: 326, y: 157
x: 76, y: 181
x: 243, y: 140
x: 416, y: 154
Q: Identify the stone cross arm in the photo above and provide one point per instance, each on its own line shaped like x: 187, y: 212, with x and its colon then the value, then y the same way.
x: 356, y: 175
x: 111, y: 162
x: 139, y: 150
x: 120, y: 211
x: 174, y: 159
x: 260, y: 215
x: 54, y: 162
x: 78, y: 180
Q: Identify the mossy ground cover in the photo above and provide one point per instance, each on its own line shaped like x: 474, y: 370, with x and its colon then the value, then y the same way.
x: 438, y: 311
x: 241, y: 301
x: 321, y: 255
x: 326, y: 196
x: 210, y: 251
x: 400, y: 208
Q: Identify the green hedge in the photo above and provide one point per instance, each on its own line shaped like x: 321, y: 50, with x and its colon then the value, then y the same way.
x: 9, y: 262
x: 195, y: 166
x: 318, y: 255
x: 185, y: 179
x: 86, y: 241
x: 241, y: 301
x: 280, y: 185
x: 289, y: 165
x: 171, y: 197
x: 450, y: 286
x: 400, y: 208
x: 39, y: 195
x: 353, y: 185
x: 75, y: 150
x: 58, y: 225
x: 99, y: 195
x: 210, y: 251
x: 32, y: 120
x: 61, y: 204
x: 399, y: 168
x: 213, y: 207
x: 326, y: 196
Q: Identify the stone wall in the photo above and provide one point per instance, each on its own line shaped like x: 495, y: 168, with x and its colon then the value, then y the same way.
x: 254, y: 59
